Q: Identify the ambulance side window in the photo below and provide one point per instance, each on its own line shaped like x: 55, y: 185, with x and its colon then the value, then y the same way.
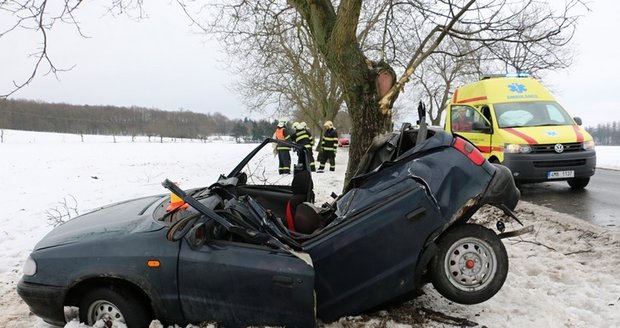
x: 462, y: 118
x: 467, y: 119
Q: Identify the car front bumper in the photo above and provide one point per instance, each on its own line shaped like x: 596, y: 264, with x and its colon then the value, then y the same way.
x: 46, y: 302
x: 536, y: 167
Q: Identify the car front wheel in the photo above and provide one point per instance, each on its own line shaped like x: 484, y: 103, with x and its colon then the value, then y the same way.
x: 578, y: 183
x: 471, y: 264
x: 113, y: 306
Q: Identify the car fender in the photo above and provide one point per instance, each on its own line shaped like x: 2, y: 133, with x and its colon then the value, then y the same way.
x: 79, y: 287
x: 424, y: 259
x: 112, y: 261
x: 501, y: 192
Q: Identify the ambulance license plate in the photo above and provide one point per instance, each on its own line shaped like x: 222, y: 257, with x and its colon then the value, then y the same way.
x: 560, y: 174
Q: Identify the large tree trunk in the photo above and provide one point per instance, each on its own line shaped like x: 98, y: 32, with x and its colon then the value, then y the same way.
x: 368, y: 122
x: 360, y: 94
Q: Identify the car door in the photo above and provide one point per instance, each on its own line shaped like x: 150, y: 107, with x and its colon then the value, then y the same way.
x: 239, y: 284
x: 371, y: 256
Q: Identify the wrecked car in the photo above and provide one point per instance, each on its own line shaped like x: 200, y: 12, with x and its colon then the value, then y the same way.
x: 237, y: 252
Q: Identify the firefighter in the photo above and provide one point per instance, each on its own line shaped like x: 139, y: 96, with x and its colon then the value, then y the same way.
x: 302, y: 136
x: 329, y: 144
x: 284, y: 155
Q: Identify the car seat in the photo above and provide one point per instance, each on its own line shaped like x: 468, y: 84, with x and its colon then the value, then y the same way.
x: 302, y: 187
x: 306, y: 219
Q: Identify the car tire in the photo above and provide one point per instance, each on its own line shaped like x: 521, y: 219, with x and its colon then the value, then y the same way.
x: 471, y: 264
x: 578, y: 183
x: 113, y: 305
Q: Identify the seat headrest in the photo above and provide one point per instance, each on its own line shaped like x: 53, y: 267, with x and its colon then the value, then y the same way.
x: 302, y: 183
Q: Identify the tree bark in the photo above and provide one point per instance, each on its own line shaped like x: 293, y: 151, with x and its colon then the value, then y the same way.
x: 358, y: 80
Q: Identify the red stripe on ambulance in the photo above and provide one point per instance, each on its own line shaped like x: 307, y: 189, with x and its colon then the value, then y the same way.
x: 489, y: 149
x: 521, y: 135
x: 455, y: 98
x: 578, y: 133
x: 485, y: 149
x: 464, y: 101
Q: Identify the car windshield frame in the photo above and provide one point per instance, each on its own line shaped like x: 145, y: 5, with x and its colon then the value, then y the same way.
x: 295, y: 146
x: 531, y: 114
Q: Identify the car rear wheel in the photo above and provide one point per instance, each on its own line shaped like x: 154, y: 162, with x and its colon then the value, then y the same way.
x: 113, y: 306
x: 471, y: 264
x: 578, y: 183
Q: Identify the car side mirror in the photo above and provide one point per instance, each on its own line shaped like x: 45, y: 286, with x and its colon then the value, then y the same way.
x: 578, y: 120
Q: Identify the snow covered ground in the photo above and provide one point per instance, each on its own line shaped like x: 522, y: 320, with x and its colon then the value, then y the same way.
x: 563, y: 275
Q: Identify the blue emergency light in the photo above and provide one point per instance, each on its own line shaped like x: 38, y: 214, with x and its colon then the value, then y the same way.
x: 510, y: 75
x: 518, y: 75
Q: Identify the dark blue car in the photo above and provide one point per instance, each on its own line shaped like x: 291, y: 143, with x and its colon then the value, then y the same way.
x: 249, y: 254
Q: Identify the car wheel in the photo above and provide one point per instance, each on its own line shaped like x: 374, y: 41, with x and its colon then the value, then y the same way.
x: 113, y: 306
x: 471, y: 264
x: 578, y: 183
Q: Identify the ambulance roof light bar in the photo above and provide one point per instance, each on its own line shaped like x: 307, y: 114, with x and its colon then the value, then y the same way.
x: 512, y: 75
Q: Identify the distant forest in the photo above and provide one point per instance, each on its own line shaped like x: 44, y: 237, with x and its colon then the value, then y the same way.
x: 122, y: 121
x: 606, y: 134
x: 136, y: 121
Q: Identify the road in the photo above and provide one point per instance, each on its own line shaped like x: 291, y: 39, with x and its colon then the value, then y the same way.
x: 598, y: 203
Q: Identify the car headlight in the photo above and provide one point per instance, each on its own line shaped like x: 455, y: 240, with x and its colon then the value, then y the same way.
x: 588, y: 145
x: 30, y: 267
x: 517, y: 148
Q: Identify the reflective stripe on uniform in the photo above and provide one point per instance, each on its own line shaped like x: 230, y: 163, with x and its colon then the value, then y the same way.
x: 301, y: 137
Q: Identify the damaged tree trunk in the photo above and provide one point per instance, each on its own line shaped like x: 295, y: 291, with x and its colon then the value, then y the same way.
x: 358, y: 76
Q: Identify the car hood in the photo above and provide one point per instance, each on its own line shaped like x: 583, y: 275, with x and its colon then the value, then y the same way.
x: 545, y: 134
x: 112, y: 221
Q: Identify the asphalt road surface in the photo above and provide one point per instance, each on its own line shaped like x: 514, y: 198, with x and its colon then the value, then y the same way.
x: 598, y: 203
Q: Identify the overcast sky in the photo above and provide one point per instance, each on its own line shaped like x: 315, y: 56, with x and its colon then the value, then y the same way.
x: 155, y: 63
x: 159, y: 63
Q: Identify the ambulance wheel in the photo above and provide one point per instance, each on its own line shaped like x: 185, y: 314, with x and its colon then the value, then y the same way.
x: 471, y: 264
x: 578, y: 183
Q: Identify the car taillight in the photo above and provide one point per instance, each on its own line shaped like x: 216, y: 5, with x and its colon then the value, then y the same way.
x: 468, y: 150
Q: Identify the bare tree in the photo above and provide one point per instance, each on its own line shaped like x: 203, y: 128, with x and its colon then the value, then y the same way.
x: 282, y: 72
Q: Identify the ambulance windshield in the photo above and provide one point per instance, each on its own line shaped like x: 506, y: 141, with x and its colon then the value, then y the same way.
x: 533, y: 113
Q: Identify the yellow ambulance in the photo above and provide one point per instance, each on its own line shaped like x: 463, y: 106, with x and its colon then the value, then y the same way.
x: 514, y: 120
